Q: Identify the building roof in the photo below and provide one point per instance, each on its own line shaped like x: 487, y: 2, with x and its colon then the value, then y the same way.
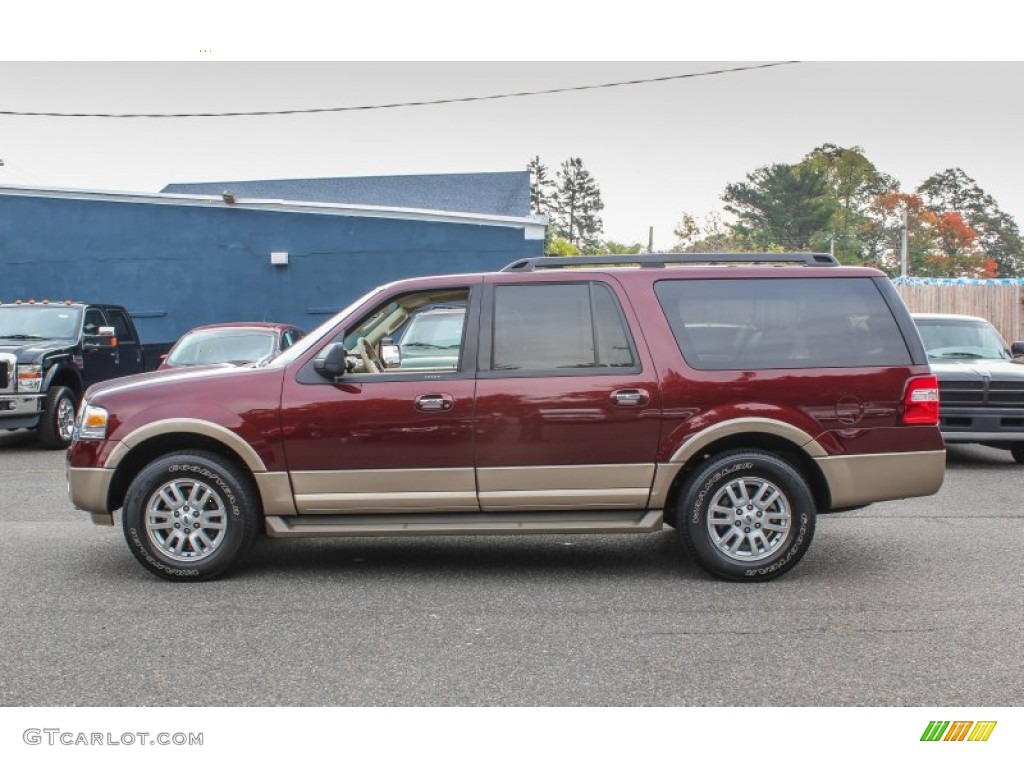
x: 497, y: 194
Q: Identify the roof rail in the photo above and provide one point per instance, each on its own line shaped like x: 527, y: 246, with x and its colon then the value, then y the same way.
x: 665, y: 259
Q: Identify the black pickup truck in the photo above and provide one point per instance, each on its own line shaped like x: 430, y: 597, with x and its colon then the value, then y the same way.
x: 51, y: 352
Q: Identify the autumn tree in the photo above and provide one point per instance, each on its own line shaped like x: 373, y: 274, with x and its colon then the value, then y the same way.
x: 958, y: 253
x: 888, y: 210
x: 998, y: 237
x: 938, y: 245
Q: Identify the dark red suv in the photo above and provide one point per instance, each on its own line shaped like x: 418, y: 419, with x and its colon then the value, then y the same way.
x: 730, y: 396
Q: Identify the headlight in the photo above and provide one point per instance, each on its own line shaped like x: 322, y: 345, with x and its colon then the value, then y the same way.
x: 92, y: 423
x: 30, y: 378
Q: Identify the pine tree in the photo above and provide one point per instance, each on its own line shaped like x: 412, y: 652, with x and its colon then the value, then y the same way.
x: 542, y: 187
x: 577, y: 206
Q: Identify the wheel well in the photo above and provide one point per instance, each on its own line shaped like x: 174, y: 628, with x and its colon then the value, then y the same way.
x: 66, y: 378
x: 757, y: 441
x: 151, y: 449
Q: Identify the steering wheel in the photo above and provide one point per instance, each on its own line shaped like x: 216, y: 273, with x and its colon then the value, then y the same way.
x: 371, y: 361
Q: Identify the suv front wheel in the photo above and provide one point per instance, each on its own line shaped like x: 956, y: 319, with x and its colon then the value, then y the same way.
x: 746, y: 516
x: 190, y: 516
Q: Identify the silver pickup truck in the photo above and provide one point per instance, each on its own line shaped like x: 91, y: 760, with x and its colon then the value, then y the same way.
x: 981, y: 381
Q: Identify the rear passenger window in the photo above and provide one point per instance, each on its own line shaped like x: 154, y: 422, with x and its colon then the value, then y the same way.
x: 749, y: 324
x: 559, y: 326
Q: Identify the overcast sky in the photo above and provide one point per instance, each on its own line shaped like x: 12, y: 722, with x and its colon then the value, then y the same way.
x: 656, y: 149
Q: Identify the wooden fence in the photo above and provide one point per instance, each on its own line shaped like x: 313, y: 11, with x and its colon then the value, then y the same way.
x: 1000, y: 304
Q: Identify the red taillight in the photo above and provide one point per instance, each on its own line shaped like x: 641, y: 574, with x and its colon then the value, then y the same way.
x: 921, y: 401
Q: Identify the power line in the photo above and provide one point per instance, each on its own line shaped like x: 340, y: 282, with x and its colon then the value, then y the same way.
x: 368, y: 107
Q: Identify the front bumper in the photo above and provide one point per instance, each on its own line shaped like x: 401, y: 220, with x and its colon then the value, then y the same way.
x: 20, y: 411
x: 89, y: 489
x: 982, y: 425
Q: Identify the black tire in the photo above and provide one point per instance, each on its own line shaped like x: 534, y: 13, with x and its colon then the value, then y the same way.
x: 228, y: 517
x: 762, y: 553
x: 1017, y: 452
x: 55, y: 427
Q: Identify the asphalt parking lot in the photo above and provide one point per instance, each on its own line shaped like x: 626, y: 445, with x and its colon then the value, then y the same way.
x: 912, y: 603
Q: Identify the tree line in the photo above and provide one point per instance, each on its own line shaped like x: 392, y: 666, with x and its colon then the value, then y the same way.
x: 572, y: 201
x: 833, y: 200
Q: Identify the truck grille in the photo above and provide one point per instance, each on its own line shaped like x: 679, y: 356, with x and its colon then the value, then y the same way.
x: 961, y: 392
x: 1006, y: 394
x: 999, y: 394
x: 7, y: 373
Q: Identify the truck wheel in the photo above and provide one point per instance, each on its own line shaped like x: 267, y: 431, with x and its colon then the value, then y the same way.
x: 191, y: 516
x: 1017, y: 452
x: 57, y: 423
x: 746, y: 516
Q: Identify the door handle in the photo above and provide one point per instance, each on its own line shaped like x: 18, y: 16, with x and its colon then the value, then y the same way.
x: 630, y: 397
x: 435, y: 402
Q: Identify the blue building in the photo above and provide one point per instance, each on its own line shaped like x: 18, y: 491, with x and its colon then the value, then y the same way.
x: 293, y: 250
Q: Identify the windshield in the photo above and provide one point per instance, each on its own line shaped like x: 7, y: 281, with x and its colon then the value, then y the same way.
x: 222, y: 346
x: 437, y: 331
x: 317, y: 334
x: 26, y: 322
x: 956, y: 339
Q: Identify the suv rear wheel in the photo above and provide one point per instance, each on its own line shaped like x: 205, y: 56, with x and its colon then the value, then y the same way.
x: 746, y: 516
x: 190, y: 516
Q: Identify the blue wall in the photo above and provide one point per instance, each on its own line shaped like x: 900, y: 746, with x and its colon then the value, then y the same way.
x: 176, y: 267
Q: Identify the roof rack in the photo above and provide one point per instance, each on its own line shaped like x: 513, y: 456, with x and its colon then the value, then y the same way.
x: 662, y: 260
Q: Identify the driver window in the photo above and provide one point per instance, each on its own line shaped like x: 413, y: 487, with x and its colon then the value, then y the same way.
x: 415, y: 333
x: 93, y: 320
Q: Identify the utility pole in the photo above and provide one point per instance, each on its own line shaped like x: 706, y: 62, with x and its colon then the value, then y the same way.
x: 903, y: 245
x: 650, y: 239
x: 832, y: 246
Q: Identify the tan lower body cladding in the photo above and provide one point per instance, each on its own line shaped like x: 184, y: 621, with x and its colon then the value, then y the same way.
x: 504, y: 489
x: 856, y: 480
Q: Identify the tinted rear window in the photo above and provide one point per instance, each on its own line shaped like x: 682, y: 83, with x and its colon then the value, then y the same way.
x: 557, y: 326
x: 750, y: 324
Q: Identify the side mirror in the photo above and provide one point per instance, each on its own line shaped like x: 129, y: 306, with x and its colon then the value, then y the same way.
x: 390, y: 353
x: 331, y: 362
x: 1017, y: 348
x: 105, y: 337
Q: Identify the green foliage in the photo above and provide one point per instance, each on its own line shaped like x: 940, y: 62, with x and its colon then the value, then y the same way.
x: 835, y: 199
x: 782, y: 205
x: 711, y: 235
x: 559, y: 246
x: 953, y: 191
x: 572, y: 203
x: 542, y: 187
x: 614, y: 248
x: 854, y: 182
x: 577, y: 205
